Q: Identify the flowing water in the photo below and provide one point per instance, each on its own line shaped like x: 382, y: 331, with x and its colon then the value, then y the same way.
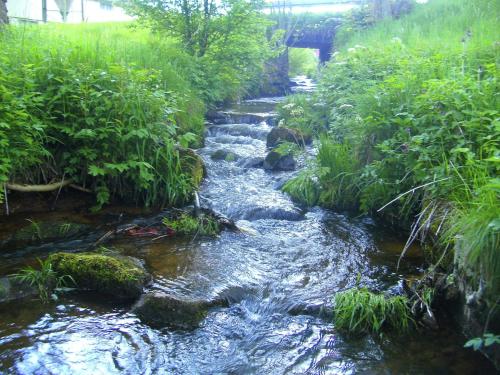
x: 279, y: 275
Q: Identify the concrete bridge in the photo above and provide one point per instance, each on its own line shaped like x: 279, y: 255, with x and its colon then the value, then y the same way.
x: 318, y: 36
x: 309, y: 23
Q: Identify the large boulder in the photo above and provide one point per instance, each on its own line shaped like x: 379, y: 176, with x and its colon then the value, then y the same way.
x: 159, y: 310
x: 281, y: 134
x: 117, y: 276
x: 276, y: 161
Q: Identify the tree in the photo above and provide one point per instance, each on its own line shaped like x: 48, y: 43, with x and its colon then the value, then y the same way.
x: 3, y: 12
x: 197, y: 23
x: 227, y: 38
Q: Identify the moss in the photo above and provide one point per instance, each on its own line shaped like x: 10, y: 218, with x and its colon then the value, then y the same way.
x: 102, y: 273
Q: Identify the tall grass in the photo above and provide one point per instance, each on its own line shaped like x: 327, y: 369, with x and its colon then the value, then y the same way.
x: 411, y: 107
x: 101, y: 105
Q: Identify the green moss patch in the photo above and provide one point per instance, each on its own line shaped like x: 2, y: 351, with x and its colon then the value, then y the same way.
x: 119, y: 277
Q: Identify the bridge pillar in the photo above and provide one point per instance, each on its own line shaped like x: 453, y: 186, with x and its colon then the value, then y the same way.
x: 325, y: 53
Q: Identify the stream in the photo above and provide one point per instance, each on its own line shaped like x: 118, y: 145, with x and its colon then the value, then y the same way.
x: 278, y: 274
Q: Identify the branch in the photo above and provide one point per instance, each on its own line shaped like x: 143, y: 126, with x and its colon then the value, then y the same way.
x: 38, y: 188
x: 45, y: 188
x: 411, y: 191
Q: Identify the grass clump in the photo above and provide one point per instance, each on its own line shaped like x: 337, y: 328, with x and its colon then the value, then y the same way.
x: 186, y: 224
x: 45, y: 279
x: 303, y: 188
x: 360, y: 311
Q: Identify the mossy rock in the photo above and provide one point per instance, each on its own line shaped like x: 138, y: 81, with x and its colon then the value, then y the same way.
x: 192, y: 164
x: 224, y: 155
x: 161, y: 310
x: 121, y: 277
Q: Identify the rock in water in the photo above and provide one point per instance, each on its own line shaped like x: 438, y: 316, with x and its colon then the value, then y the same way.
x: 224, y: 155
x: 161, y: 310
x: 277, y: 162
x: 281, y: 134
x: 120, y: 277
x: 255, y: 162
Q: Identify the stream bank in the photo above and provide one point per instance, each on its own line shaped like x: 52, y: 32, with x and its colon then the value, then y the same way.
x: 277, y: 277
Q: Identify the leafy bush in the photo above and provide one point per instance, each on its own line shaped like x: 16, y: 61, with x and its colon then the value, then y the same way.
x: 411, y: 108
x: 358, y: 311
x: 303, y: 188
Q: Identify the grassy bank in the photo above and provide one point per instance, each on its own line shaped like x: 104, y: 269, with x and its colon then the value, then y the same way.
x: 410, y: 112
x: 107, y: 106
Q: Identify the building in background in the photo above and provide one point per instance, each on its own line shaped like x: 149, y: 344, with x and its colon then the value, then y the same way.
x: 72, y: 11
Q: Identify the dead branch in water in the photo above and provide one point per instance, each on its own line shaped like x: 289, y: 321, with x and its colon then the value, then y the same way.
x: 38, y: 188
x: 46, y: 188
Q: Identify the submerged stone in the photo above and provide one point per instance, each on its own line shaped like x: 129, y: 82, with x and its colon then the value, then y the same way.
x: 255, y: 162
x: 45, y: 231
x: 12, y: 289
x: 161, y: 310
x: 120, y: 277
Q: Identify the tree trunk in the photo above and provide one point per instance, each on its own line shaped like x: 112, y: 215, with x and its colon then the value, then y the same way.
x: 381, y: 9
x: 3, y: 12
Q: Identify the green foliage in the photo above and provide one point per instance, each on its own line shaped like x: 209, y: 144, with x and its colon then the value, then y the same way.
x: 359, y: 311
x: 186, y: 224
x: 226, y: 39
x: 302, y: 61
x: 46, y: 280
x: 302, y: 113
x: 411, y: 107
x: 337, y: 171
x: 487, y: 340
x: 287, y: 148
x: 96, y: 112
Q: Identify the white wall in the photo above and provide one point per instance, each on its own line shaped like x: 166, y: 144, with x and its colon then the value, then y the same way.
x: 93, y: 11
